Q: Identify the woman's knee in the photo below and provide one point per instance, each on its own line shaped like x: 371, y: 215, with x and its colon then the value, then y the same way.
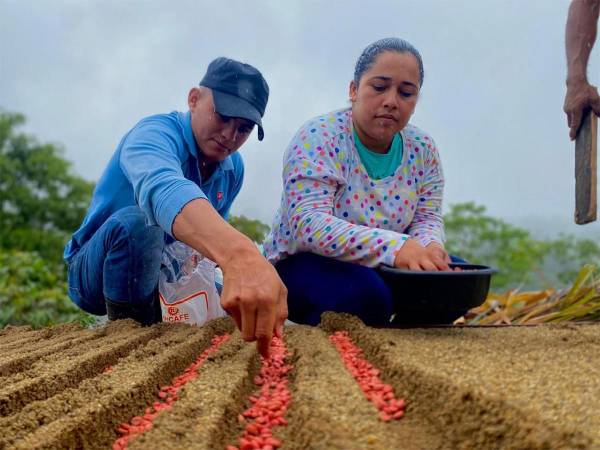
x: 317, y: 284
x: 457, y: 259
x: 374, y: 303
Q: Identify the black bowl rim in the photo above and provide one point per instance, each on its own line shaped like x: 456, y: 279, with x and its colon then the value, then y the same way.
x: 473, y: 270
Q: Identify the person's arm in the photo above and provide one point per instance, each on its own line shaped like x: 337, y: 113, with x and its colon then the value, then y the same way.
x: 151, y: 159
x: 310, y: 185
x: 580, y: 37
x: 253, y: 294
x: 310, y: 189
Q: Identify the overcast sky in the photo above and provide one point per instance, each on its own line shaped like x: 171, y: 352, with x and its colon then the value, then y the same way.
x: 85, y: 72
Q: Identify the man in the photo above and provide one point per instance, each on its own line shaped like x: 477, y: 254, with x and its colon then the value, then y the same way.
x: 580, y: 37
x: 175, y: 176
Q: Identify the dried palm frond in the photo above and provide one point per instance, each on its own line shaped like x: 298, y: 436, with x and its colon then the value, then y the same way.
x: 581, y: 302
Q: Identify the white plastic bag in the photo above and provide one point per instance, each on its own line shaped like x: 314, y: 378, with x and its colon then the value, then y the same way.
x: 186, y: 286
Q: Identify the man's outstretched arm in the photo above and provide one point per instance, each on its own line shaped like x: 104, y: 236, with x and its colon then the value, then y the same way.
x: 253, y: 294
x: 580, y: 37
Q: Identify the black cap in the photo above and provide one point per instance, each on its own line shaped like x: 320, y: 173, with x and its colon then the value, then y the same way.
x: 239, y: 90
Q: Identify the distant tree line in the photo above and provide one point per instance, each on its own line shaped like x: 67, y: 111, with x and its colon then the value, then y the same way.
x: 522, y: 260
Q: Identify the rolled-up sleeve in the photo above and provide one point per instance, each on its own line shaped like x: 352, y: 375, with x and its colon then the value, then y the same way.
x: 151, y: 159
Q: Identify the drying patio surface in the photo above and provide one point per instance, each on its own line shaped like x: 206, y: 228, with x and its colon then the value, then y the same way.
x: 177, y: 387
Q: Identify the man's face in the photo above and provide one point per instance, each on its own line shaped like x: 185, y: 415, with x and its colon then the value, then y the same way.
x: 217, y: 136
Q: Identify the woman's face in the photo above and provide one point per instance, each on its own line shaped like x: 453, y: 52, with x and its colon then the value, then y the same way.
x: 385, y: 98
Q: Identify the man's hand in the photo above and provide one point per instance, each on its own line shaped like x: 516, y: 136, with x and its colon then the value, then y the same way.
x: 580, y: 97
x: 414, y: 256
x: 255, y: 297
x: 253, y: 294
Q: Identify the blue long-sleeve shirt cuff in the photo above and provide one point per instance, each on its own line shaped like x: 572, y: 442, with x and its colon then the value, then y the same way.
x: 173, y: 200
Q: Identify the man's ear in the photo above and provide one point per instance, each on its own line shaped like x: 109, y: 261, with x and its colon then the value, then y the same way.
x: 353, y: 91
x: 193, y: 97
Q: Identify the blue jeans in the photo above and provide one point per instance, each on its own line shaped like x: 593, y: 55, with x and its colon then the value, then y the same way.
x: 317, y: 284
x: 120, y: 262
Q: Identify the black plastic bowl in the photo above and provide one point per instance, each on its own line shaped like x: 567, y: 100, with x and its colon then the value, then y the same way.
x: 436, y: 297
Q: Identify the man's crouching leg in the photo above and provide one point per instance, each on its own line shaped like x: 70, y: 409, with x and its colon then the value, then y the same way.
x: 116, y: 271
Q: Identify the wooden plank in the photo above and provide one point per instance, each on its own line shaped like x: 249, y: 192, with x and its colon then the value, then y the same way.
x: 585, y: 170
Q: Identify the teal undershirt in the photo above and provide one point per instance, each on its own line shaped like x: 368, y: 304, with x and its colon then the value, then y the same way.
x: 380, y: 165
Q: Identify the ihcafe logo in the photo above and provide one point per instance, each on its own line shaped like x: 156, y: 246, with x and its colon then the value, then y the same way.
x: 173, y: 310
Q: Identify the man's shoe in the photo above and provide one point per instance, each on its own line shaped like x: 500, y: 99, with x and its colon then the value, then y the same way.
x: 157, y: 308
x: 143, y: 314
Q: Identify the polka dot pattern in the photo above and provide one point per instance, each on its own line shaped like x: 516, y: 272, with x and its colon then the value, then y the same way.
x: 330, y: 205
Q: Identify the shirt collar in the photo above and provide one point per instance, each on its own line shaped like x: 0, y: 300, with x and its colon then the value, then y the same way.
x: 186, y: 122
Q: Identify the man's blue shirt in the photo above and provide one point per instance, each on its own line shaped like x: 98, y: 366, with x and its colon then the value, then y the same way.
x: 155, y: 166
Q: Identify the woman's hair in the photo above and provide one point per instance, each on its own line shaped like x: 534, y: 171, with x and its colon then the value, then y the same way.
x: 370, y: 54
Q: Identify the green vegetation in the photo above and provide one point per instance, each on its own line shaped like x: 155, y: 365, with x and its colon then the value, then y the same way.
x: 41, y: 203
x: 41, y: 200
x: 522, y: 260
x: 254, y: 229
x: 33, y: 291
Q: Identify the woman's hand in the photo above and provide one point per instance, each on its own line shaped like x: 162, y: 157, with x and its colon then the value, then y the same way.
x: 414, y: 256
x: 440, y: 251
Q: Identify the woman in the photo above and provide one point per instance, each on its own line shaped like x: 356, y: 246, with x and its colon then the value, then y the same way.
x: 362, y: 188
